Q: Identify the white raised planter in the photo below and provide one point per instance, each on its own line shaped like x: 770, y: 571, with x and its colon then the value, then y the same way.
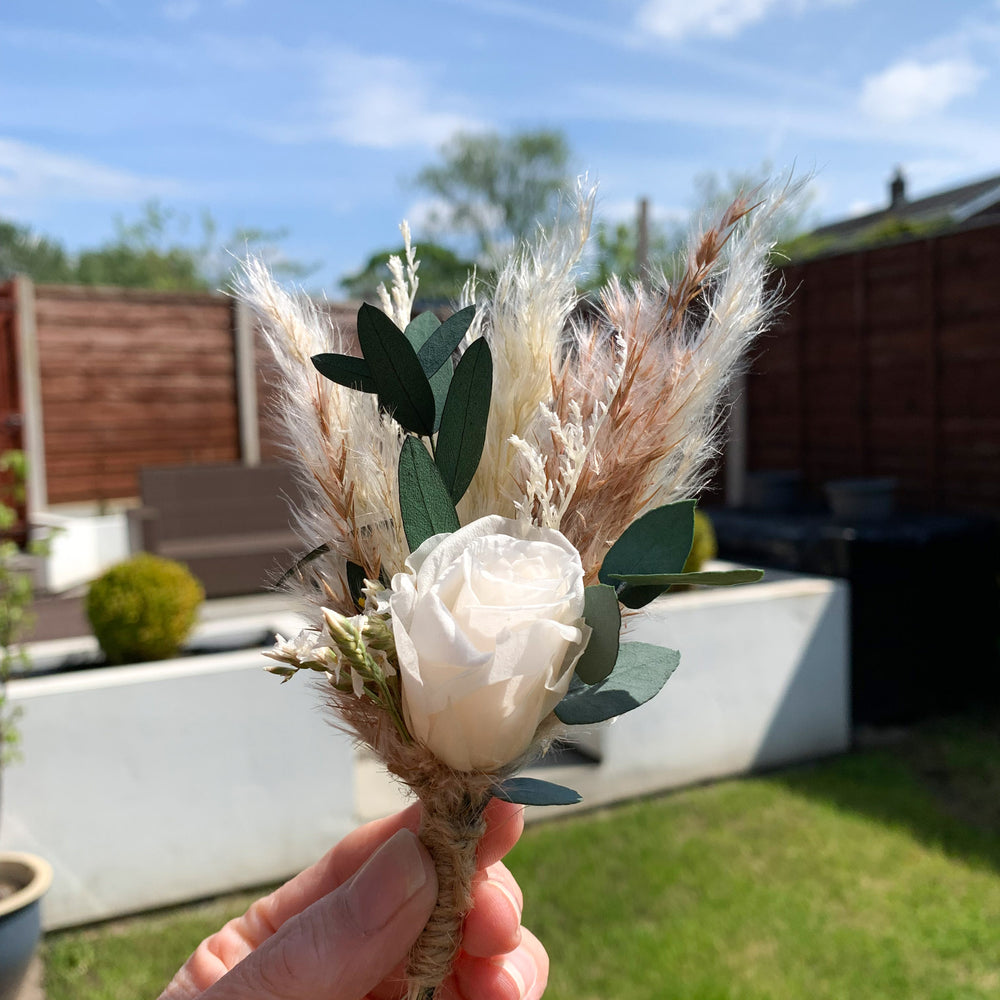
x: 81, y: 545
x: 764, y: 680
x: 158, y: 783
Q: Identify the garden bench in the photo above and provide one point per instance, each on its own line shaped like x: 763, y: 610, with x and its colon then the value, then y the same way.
x: 230, y: 524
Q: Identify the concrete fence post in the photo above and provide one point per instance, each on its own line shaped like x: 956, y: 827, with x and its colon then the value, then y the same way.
x: 31, y: 393
x: 246, y: 383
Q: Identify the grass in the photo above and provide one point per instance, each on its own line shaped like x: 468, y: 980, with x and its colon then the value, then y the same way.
x: 875, y: 875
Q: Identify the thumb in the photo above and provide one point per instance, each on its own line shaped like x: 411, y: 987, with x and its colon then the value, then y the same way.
x: 350, y: 940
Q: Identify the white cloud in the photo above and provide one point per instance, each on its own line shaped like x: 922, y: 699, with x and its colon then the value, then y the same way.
x: 28, y: 172
x: 909, y: 89
x: 677, y: 19
x: 378, y: 102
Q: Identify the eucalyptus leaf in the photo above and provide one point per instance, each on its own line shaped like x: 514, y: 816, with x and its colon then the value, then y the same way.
x: 602, y: 614
x: 417, y: 333
x: 344, y: 369
x: 707, y: 578
x: 463, y: 422
x: 641, y: 671
x: 445, y: 339
x: 424, y: 501
x: 403, y: 389
x: 656, y: 543
x: 420, y: 328
x: 535, y: 792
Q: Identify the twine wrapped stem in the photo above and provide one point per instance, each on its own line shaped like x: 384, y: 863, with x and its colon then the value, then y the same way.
x: 452, y: 826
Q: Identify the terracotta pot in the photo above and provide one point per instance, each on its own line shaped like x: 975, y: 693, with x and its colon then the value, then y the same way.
x: 20, y: 916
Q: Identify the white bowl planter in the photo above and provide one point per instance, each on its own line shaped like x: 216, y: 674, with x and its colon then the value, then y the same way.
x: 157, y: 783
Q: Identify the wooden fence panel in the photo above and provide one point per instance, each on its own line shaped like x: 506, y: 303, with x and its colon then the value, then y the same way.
x: 887, y: 363
x: 131, y: 379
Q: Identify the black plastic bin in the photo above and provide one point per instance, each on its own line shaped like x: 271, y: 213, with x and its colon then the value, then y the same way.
x: 925, y: 618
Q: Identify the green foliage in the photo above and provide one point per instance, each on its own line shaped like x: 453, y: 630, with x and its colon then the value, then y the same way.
x: 892, y: 229
x: 498, y: 188
x: 25, y: 252
x: 16, y: 595
x: 704, y: 546
x: 424, y: 501
x: 463, y: 423
x: 602, y: 613
x: 155, y: 251
x: 402, y: 386
x: 658, y: 542
x: 640, y: 673
x: 442, y: 273
x: 143, y: 608
x: 418, y: 331
x: 616, y: 251
x: 420, y: 390
x: 535, y: 792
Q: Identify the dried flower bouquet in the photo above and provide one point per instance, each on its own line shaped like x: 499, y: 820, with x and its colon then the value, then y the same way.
x: 487, y: 494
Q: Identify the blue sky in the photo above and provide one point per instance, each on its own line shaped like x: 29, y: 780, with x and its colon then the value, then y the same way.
x: 315, y: 115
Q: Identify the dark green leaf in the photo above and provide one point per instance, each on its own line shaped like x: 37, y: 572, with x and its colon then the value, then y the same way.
x: 463, y: 422
x: 445, y: 339
x: 423, y: 498
x: 355, y: 582
x: 603, y: 615
x: 535, y: 792
x: 345, y: 370
x: 641, y: 671
x: 403, y: 389
x: 417, y: 334
x: 708, y: 578
x: 658, y: 542
x: 300, y: 562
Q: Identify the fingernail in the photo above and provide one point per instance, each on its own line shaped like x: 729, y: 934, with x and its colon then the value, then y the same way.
x: 386, y: 881
x: 514, y: 905
x: 520, y: 966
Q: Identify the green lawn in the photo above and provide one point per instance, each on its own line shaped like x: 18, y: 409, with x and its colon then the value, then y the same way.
x: 875, y: 875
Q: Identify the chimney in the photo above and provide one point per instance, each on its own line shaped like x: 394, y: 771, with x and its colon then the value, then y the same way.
x: 897, y: 189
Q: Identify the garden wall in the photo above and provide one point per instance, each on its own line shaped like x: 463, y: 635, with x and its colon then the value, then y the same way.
x: 159, y: 783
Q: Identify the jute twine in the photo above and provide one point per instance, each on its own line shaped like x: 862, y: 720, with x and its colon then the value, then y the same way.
x: 451, y: 828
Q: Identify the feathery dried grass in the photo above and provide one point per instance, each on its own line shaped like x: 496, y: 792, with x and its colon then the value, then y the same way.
x: 683, y: 346
x: 345, y: 451
x: 524, y: 322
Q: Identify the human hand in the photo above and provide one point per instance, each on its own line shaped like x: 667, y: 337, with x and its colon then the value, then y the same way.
x: 341, y: 929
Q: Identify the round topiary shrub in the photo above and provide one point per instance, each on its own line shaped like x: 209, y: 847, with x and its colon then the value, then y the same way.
x: 143, y: 608
x: 704, y: 548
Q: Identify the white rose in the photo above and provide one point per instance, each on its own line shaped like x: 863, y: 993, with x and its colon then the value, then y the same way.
x: 488, y: 626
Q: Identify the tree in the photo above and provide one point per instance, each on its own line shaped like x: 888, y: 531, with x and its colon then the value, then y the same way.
x: 442, y: 273
x: 154, y: 251
x: 24, y: 252
x: 616, y: 250
x: 497, y: 188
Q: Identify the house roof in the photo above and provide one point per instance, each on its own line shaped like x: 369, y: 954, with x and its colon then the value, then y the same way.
x: 978, y: 201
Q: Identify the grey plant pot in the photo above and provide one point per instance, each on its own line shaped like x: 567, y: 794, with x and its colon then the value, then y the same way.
x: 20, y: 916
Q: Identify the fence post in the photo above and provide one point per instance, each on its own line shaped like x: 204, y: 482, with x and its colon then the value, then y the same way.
x: 246, y: 383
x: 31, y: 393
x: 736, y: 445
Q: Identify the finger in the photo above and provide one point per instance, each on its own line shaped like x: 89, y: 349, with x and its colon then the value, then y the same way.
x: 216, y: 955
x: 345, y: 943
x: 504, y: 825
x: 494, y: 924
x: 519, y: 975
